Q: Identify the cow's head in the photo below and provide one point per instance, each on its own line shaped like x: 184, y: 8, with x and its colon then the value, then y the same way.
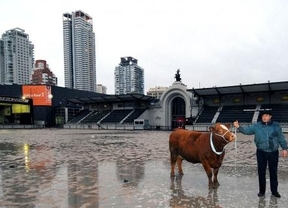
x: 223, y: 131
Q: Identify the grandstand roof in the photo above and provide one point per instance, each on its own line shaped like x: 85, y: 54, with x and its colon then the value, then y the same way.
x: 111, y: 98
x: 241, y: 89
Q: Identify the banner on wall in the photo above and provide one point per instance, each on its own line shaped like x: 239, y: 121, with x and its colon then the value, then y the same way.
x: 41, y: 94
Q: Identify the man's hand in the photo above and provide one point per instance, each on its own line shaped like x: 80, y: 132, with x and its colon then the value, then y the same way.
x: 284, y: 153
x: 236, y: 124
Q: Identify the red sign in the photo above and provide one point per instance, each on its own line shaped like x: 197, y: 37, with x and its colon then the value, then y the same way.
x: 41, y: 94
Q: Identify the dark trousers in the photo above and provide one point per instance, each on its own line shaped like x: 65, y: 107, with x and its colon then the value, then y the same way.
x: 270, y: 158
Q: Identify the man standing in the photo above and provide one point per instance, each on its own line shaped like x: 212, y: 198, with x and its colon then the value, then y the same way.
x: 268, y: 137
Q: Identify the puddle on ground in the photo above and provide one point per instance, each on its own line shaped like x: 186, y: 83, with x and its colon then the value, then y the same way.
x: 97, y: 168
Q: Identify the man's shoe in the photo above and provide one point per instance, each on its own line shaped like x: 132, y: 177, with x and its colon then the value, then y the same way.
x: 261, y: 194
x: 276, y: 194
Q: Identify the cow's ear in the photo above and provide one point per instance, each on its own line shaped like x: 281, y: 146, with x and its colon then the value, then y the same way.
x: 212, y: 128
x: 228, y: 125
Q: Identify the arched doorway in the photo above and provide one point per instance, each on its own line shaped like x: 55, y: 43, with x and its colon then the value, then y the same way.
x: 178, y: 113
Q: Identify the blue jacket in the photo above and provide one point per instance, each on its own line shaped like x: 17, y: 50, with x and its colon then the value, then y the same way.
x: 268, y: 136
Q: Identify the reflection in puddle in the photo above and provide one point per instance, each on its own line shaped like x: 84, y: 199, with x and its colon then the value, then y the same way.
x: 180, y: 199
x: 57, y: 168
x: 268, y: 202
x: 129, y: 171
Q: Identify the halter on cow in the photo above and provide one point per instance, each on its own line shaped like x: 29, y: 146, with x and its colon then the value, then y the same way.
x: 200, y: 147
x: 223, y: 136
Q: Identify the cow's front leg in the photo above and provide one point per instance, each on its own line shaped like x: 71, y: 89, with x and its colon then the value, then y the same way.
x: 179, y: 164
x: 209, y: 173
x: 216, y: 184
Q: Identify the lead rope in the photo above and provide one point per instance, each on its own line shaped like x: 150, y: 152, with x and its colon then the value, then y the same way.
x: 235, y: 132
x: 235, y: 145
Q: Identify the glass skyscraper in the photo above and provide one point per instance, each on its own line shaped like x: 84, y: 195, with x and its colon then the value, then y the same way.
x: 16, y: 57
x: 79, y: 51
x: 129, y: 77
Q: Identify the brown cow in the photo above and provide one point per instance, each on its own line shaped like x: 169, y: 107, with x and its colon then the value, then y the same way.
x: 200, y: 147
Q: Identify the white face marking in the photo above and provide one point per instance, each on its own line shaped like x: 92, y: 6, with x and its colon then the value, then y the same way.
x: 224, y: 127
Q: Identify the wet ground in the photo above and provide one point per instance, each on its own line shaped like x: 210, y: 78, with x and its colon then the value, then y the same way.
x: 105, y: 168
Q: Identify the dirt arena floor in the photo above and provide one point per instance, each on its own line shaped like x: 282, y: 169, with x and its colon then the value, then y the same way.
x: 105, y: 168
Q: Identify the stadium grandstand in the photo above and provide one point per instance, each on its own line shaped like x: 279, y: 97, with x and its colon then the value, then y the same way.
x: 242, y: 102
x: 107, y: 110
x: 198, y: 108
x: 207, y: 106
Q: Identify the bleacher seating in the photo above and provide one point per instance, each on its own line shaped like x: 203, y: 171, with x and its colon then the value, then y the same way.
x: 80, y: 116
x: 116, y: 116
x: 243, y: 114
x: 279, y: 112
x: 94, y: 117
x: 136, y: 113
x: 228, y: 114
x: 207, y: 114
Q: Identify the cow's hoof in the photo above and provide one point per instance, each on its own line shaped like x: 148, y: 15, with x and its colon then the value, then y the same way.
x: 215, y: 186
x: 179, y: 177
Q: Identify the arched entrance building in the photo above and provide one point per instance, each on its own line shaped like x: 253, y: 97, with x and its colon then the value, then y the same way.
x: 174, y: 104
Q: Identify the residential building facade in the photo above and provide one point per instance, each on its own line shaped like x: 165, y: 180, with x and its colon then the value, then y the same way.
x: 16, y: 57
x: 42, y: 74
x: 1, y: 62
x: 101, y: 89
x: 79, y: 51
x: 129, y: 77
x: 156, y: 91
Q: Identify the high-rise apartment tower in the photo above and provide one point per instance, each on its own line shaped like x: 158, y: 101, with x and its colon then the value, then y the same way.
x: 42, y: 74
x: 16, y: 57
x: 79, y: 51
x: 129, y: 77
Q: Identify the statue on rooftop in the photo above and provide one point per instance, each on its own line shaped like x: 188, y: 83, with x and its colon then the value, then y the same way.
x: 177, y: 76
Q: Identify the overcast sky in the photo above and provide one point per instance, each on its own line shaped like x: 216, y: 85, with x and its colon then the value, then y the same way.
x: 212, y: 42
